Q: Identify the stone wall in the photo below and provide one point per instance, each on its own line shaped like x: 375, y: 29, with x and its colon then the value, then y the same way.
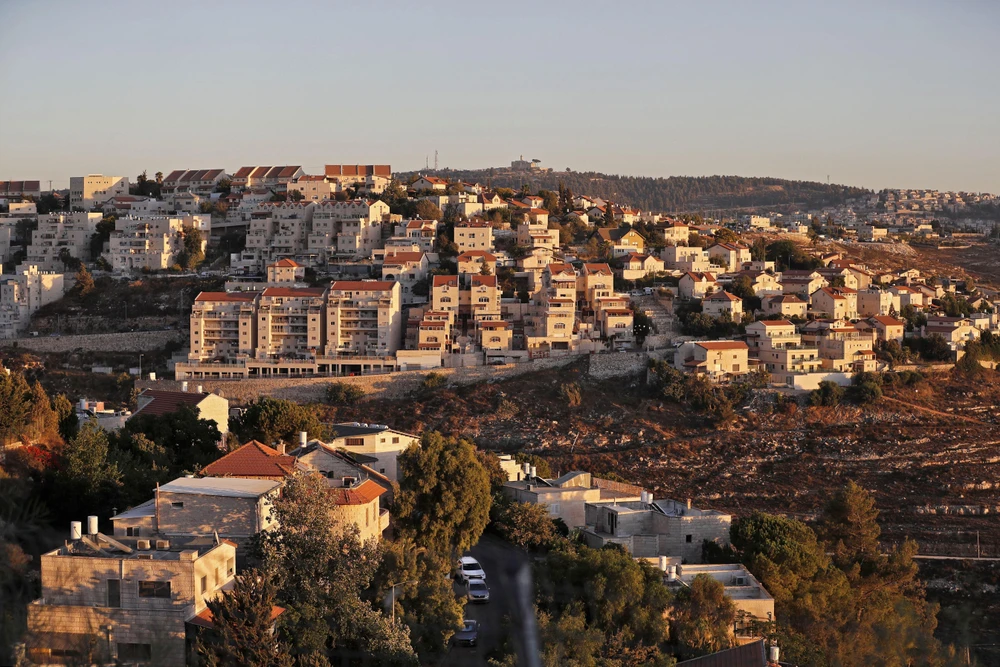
x: 136, y: 341
x: 618, y: 364
x: 388, y: 385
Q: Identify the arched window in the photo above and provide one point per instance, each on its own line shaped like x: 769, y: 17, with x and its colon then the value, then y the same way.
x: 560, y: 325
x: 432, y: 339
x: 495, y: 339
x: 446, y: 299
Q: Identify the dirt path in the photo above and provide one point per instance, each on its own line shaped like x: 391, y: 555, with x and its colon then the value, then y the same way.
x: 936, y: 412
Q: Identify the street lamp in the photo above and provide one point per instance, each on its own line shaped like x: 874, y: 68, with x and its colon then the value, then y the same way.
x: 393, y: 587
x: 140, y: 366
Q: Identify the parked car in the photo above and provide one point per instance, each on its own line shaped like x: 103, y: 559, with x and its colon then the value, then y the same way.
x: 468, y: 635
x: 476, y: 590
x: 469, y: 568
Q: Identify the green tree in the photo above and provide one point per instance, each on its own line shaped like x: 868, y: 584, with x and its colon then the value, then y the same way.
x: 527, y: 525
x: 15, y: 405
x: 189, y: 441
x: 542, y: 468
x: 241, y: 626
x: 342, y: 393
x: 194, y: 251
x: 43, y: 421
x: 444, y: 495
x: 702, y: 617
x: 743, y: 288
x: 86, y: 482
x: 320, y: 570
x: 726, y: 235
x: 428, y: 210
x: 642, y: 325
x: 828, y: 394
x: 567, y: 640
x: 424, y: 598
x: 271, y: 419
x: 66, y: 412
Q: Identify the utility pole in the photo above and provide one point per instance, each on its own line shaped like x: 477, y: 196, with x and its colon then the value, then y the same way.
x: 978, y: 552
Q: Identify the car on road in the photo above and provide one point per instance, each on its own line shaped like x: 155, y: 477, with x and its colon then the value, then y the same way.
x: 468, y: 635
x: 469, y: 568
x: 476, y: 590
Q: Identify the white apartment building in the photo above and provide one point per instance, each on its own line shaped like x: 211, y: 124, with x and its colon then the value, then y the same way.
x: 153, y: 242
x: 363, y: 317
x: 57, y: 232
x: 24, y: 293
x: 86, y: 191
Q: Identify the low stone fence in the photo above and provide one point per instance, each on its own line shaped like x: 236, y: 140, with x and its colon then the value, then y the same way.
x: 133, y: 341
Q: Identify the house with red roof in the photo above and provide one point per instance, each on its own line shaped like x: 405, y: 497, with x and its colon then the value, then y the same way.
x: 209, y: 406
x: 715, y: 359
x: 723, y: 304
x: 358, y: 504
x: 429, y: 183
x: 254, y: 460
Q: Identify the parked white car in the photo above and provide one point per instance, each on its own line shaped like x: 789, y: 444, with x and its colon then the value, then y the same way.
x: 469, y: 568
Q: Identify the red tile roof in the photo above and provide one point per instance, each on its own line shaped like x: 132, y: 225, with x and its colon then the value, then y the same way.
x: 721, y: 345
x: 489, y: 281
x: 445, y: 280
x: 287, y: 263
x: 469, y: 254
x: 362, y: 494
x: 204, y: 617
x: 335, y: 170
x: 254, y: 459
x: 166, y: 402
x: 400, y: 257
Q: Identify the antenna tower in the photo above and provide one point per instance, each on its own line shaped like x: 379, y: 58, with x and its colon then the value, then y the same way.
x: 435, y: 160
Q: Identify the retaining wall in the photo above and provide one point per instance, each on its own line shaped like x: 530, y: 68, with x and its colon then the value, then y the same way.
x: 135, y: 341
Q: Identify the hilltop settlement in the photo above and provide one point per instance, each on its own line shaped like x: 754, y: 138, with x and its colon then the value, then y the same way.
x: 346, y: 509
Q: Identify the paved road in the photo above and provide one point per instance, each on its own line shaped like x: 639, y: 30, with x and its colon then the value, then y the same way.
x: 501, y: 562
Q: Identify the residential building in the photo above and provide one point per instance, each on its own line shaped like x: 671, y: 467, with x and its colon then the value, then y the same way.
x: 271, y: 178
x: 85, y: 192
x: 623, y: 240
x: 723, y: 304
x: 730, y: 255
x: 763, y: 284
x: 104, y: 601
x: 311, y: 188
x: 874, y: 301
x: 639, y: 266
x: 24, y: 293
x: 20, y: 189
x: 198, y: 181
x: 341, y: 468
x: 429, y: 183
x: 285, y: 271
x: 870, y: 234
x: 363, y: 317
x: 676, y: 233
x: 802, y: 283
x: 358, y: 505
x: 370, y: 178
x: 153, y: 243
x: 473, y: 236
x: 839, y: 303
x: 223, y: 326
x: 58, y: 234
x: 692, y: 259
x: 842, y: 346
x: 786, y: 305
x: 718, y: 359
x: 290, y: 322
x: 955, y: 330
x: 409, y: 268
x: 696, y: 285
x: 209, y: 406
x: 908, y: 296
x: 378, y: 441
x: 567, y: 497
x: 888, y: 328
x: 739, y: 585
x: 254, y: 460
x: 474, y: 262
x: 650, y: 529
x: 778, y: 348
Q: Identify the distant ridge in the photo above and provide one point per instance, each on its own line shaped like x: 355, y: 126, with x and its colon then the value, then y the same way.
x: 675, y: 194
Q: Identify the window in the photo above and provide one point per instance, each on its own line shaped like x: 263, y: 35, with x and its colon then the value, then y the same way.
x: 395, y: 440
x: 354, y: 442
x: 177, y: 506
x: 154, y: 589
x: 204, y: 583
x: 114, y: 593
x: 132, y: 531
x: 127, y: 652
x: 230, y: 567
x: 687, y: 538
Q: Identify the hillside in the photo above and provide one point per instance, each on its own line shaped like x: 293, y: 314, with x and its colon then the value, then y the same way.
x: 676, y: 194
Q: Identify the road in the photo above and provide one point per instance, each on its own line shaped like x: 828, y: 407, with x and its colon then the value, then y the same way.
x: 501, y: 562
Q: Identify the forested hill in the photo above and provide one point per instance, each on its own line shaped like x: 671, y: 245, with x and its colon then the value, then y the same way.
x: 676, y: 194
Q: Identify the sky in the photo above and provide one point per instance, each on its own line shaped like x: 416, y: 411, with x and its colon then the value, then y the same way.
x: 875, y: 94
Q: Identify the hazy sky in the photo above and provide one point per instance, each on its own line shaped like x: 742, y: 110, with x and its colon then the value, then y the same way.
x: 874, y: 93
